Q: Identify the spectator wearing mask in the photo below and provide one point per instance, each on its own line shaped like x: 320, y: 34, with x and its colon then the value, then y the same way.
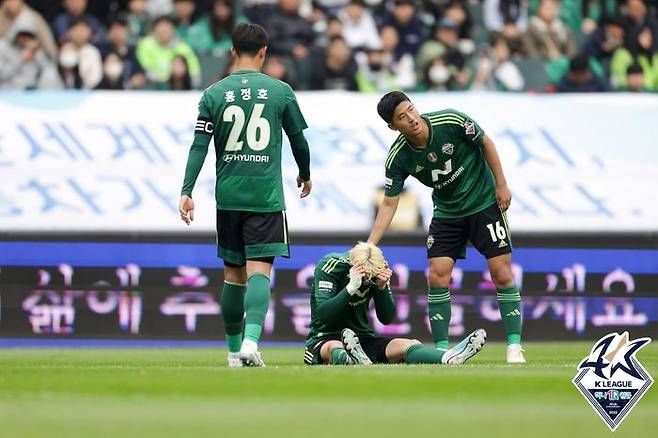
x: 184, y: 17
x: 603, y: 42
x: 359, y: 29
x: 157, y: 52
x: 445, y: 45
x: 494, y: 70
x: 457, y: 12
x: 75, y: 10
x: 335, y: 69
x: 502, y: 14
x: 373, y: 76
x: 404, y: 18
x: 114, y: 77
x: 547, y: 37
x: 80, y: 62
x: 118, y: 37
x: 24, y: 65
x: 15, y: 14
x: 641, y: 51
x: 580, y: 79
x: 212, y: 33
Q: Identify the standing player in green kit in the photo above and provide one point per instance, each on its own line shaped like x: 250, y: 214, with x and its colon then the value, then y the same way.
x: 245, y: 113
x: 448, y: 151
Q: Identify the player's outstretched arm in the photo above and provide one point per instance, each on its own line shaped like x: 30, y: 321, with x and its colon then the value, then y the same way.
x: 503, y: 194
x: 384, y: 217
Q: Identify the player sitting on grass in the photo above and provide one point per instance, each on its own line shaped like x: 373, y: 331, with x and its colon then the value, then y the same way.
x: 341, y: 333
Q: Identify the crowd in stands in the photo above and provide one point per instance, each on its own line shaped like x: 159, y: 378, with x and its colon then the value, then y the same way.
x: 358, y: 45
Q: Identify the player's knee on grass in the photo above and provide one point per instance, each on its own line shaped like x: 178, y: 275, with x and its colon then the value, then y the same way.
x: 325, y: 350
x: 397, y: 348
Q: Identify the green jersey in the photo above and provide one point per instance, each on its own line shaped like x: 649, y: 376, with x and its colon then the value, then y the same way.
x: 245, y: 113
x: 333, y: 308
x: 453, y: 164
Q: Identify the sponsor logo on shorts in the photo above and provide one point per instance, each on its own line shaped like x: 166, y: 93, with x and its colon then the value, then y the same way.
x: 502, y: 244
x: 430, y: 241
x: 388, y: 182
x: 448, y: 148
x: 612, y: 379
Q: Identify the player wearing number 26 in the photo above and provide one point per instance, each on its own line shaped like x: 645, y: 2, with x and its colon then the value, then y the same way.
x: 245, y: 113
x: 448, y: 151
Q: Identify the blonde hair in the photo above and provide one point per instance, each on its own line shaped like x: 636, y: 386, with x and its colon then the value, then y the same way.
x: 370, y: 257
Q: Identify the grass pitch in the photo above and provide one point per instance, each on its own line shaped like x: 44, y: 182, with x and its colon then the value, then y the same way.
x: 189, y: 392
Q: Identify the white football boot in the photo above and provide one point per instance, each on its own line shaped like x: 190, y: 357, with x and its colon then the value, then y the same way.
x: 353, y: 347
x: 234, y: 360
x: 515, y: 354
x: 466, y: 349
x: 249, y: 354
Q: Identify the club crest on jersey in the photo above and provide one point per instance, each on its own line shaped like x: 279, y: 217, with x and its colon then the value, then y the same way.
x: 448, y: 148
x: 430, y: 241
x: 612, y: 379
x: 432, y: 157
x: 470, y: 128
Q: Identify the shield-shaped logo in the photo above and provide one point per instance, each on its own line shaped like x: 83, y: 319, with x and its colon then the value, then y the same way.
x: 469, y: 127
x: 432, y: 157
x: 448, y: 148
x: 612, y: 379
x: 430, y: 241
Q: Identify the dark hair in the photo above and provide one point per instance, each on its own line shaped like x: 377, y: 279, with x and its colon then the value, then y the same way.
x: 388, y: 103
x: 79, y: 20
x: 634, y: 68
x: 579, y: 63
x: 249, y: 39
x: 162, y: 19
x: 120, y: 19
x: 217, y: 27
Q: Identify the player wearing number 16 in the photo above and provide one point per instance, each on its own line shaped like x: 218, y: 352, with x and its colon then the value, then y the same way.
x: 448, y: 151
x: 245, y: 113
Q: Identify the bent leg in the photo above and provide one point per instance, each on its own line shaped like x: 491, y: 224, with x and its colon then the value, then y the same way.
x: 333, y: 353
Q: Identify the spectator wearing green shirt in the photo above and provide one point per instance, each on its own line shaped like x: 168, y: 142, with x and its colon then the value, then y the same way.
x: 184, y: 16
x: 640, y: 50
x: 212, y: 33
x: 157, y: 51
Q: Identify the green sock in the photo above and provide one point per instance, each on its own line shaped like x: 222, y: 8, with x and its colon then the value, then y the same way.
x: 438, y: 304
x: 509, y: 303
x: 232, y: 302
x: 340, y: 357
x: 256, y: 302
x: 421, y: 354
